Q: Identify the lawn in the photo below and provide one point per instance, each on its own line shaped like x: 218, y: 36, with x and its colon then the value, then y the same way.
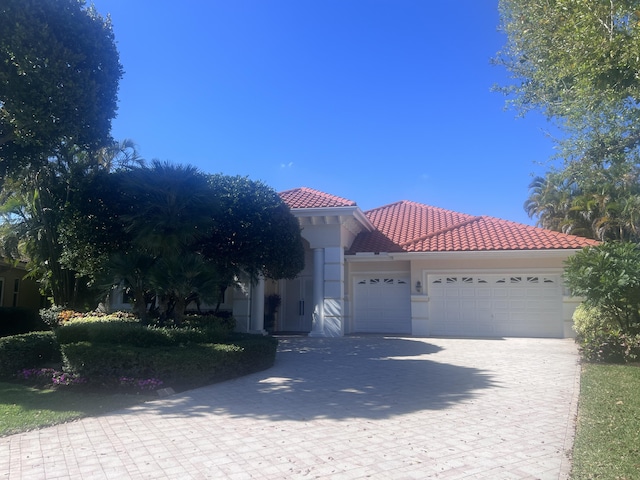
x: 24, y: 408
x: 607, y: 444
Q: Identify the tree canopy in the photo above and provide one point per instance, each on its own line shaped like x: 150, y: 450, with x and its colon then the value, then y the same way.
x: 192, y: 235
x: 577, y: 62
x: 59, y: 75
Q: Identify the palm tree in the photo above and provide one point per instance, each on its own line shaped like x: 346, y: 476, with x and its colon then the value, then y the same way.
x: 169, y: 213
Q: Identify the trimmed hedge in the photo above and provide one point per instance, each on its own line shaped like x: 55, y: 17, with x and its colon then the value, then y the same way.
x: 17, y: 320
x: 29, y: 350
x: 179, y: 366
x: 133, y: 333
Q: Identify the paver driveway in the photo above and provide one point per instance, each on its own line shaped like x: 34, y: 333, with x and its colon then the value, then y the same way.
x: 354, y: 407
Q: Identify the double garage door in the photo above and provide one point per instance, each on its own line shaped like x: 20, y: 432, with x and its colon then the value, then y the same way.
x: 495, y: 305
x: 473, y: 305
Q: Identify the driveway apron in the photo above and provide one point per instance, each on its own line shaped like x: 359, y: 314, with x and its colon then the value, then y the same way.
x: 347, y: 408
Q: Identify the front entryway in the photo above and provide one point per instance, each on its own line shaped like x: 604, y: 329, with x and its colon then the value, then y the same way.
x: 297, y: 308
x: 474, y: 305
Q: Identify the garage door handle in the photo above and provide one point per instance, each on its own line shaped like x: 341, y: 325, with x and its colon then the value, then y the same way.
x: 301, y: 307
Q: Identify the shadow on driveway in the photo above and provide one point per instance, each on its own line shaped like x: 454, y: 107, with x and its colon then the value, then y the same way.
x: 368, y: 377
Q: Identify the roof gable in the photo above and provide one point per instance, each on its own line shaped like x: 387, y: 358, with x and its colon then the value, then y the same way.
x: 304, y: 197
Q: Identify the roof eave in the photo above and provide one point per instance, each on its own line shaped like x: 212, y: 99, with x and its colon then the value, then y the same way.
x: 561, y: 253
x: 350, y: 211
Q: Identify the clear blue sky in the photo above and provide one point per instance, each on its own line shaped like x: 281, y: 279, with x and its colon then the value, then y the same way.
x: 372, y: 100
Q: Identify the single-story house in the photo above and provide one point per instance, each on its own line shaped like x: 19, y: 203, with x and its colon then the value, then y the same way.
x: 413, y: 269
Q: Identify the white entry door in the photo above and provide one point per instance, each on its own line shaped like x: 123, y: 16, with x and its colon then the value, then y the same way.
x: 297, y: 306
x: 382, y: 304
x: 524, y: 305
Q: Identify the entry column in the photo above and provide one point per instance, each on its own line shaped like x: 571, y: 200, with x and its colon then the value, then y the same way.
x: 317, y: 329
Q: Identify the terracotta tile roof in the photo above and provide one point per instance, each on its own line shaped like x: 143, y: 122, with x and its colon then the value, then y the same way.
x: 304, y: 197
x: 414, y: 227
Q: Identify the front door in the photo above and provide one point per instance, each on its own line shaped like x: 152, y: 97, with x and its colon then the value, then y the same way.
x: 297, y: 305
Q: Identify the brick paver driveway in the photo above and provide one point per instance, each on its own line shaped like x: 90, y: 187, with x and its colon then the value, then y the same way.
x: 347, y: 408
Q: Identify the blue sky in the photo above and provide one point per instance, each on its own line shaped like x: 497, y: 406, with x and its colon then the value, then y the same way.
x: 372, y: 100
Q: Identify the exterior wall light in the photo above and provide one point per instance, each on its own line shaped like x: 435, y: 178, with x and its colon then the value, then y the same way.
x: 418, y: 286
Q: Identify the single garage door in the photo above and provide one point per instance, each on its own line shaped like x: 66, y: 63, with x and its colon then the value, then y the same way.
x: 382, y: 304
x: 495, y: 305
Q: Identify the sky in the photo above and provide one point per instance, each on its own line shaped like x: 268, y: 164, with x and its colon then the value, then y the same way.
x: 372, y: 100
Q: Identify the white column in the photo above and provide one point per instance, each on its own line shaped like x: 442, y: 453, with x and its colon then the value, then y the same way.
x: 333, y: 307
x: 317, y: 329
x: 257, y: 306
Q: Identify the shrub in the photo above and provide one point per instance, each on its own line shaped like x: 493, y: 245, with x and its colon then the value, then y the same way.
x: 29, y: 350
x: 127, y: 331
x: 600, y: 337
x: 608, y: 277
x: 178, y: 366
x: 17, y: 320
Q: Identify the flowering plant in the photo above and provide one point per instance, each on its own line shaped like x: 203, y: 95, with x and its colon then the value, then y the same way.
x: 50, y: 376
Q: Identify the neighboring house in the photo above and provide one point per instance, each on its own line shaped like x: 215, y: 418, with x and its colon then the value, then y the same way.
x: 15, y: 290
x: 412, y: 269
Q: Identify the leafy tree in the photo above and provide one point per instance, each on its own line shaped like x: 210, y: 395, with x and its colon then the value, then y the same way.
x: 577, y: 62
x: 193, y: 235
x: 62, y: 218
x: 252, y: 230
x: 608, y: 277
x: 59, y: 79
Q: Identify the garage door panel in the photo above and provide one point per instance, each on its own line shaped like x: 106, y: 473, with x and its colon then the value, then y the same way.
x: 496, y: 305
x: 382, y: 304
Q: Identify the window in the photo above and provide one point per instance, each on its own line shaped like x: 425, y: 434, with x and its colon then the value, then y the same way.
x: 16, y: 291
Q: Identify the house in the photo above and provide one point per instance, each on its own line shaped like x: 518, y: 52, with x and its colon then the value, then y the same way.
x: 412, y: 269
x: 15, y: 290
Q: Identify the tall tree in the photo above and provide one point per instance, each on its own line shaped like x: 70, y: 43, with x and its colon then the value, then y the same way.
x: 193, y: 235
x: 59, y: 74
x: 577, y: 61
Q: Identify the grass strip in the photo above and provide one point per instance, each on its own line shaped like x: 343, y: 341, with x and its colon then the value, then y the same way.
x: 24, y: 408
x: 607, y: 444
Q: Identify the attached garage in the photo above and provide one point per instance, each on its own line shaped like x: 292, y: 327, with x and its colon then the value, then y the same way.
x: 382, y: 304
x: 479, y: 305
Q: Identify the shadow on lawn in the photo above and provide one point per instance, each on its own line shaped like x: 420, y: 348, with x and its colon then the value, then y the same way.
x: 336, y: 378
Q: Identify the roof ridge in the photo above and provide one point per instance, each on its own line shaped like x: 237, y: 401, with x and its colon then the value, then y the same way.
x: 441, y: 231
x: 399, y: 202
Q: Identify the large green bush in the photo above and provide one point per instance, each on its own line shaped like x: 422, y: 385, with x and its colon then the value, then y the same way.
x: 28, y: 350
x: 608, y: 277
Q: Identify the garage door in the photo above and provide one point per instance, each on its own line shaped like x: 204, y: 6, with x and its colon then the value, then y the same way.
x: 382, y: 304
x: 496, y: 305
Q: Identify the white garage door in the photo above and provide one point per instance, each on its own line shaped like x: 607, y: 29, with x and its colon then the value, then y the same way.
x: 496, y: 305
x: 382, y: 304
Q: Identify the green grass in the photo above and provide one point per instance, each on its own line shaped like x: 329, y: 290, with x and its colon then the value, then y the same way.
x: 24, y: 408
x: 607, y: 444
